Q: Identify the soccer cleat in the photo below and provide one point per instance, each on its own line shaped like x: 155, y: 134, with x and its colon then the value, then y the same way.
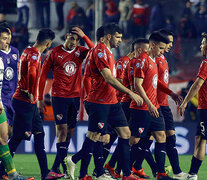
x: 168, y: 169
x: 4, y: 177
x: 70, y: 165
x: 140, y: 173
x: 131, y: 177
x: 192, y: 177
x: 86, y: 177
x: 53, y: 175
x: 181, y: 176
x: 19, y: 177
x: 110, y: 169
x: 159, y: 175
x: 105, y: 176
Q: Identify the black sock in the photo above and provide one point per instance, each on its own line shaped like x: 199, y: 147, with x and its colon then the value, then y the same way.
x: 62, y: 151
x: 56, y: 163
x: 107, y: 147
x: 40, y: 153
x: 98, y: 158
x: 77, y: 157
x: 195, y: 165
x: 160, y: 153
x: 13, y: 144
x: 114, y: 157
x: 133, y: 154
x: 2, y: 169
x: 87, y: 151
x: 123, y: 145
x: 118, y: 167
x: 173, y: 154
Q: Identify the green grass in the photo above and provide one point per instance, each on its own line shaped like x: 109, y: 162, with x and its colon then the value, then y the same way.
x: 28, y: 165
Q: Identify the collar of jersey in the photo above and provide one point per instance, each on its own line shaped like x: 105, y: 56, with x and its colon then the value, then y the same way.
x: 107, y: 47
x: 153, y: 59
x: 6, y: 52
x: 67, y: 50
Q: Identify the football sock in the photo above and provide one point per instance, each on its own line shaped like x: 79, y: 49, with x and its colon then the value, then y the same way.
x: 77, y: 157
x: 87, y: 152
x: 133, y: 154
x: 6, y: 159
x: 160, y: 153
x: 173, y: 153
x: 62, y: 150
x: 40, y: 153
x: 13, y: 144
x: 98, y: 158
x: 107, y: 147
x: 118, y: 167
x: 195, y: 165
x: 114, y: 157
x: 56, y: 163
x: 150, y: 160
x: 123, y: 145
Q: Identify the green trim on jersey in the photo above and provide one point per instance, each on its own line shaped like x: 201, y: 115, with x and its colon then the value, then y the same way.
x: 3, y: 117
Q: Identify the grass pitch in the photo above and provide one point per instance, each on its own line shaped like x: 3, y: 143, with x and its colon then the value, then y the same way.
x: 27, y: 165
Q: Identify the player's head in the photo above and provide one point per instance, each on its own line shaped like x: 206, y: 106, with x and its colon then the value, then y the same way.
x: 8, y: 26
x: 169, y: 35
x: 157, y: 43
x: 139, y: 45
x: 4, y: 38
x: 113, y: 34
x: 100, y: 33
x: 45, y: 37
x: 204, y: 44
x: 71, y: 39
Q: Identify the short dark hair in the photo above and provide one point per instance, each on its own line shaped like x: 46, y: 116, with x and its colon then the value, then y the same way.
x: 45, y: 34
x: 6, y: 25
x: 4, y: 30
x: 204, y: 35
x: 112, y: 28
x: 139, y: 41
x: 70, y: 29
x: 100, y: 33
x: 157, y: 37
x: 166, y: 32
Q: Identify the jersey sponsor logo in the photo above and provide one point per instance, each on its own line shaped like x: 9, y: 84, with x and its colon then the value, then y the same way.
x: 9, y: 73
x: 100, y: 125
x: 100, y: 55
x: 166, y: 76
x: 119, y: 66
x: 105, y: 56
x: 154, y: 81
x: 60, y: 56
x: 125, y: 64
x: 143, y: 63
x: 14, y: 56
x: 150, y: 66
x: 34, y: 57
x: 141, y: 130
x: 77, y: 53
x: 70, y: 68
x: 59, y: 116
x: 24, y: 54
x: 8, y: 60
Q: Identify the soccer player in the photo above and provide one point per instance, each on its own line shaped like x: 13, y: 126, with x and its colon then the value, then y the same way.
x: 147, y: 119
x: 66, y: 63
x: 163, y: 76
x: 27, y: 118
x: 200, y: 87
x: 103, y: 106
x: 5, y: 155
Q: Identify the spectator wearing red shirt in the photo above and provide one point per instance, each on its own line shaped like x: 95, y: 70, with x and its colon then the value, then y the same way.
x: 72, y: 11
x: 112, y: 13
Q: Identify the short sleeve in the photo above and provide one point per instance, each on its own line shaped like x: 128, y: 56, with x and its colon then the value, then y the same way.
x: 101, y: 59
x: 203, y: 70
x: 140, y: 68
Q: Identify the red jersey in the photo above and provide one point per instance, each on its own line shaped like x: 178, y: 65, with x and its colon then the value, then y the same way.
x: 67, y: 71
x: 101, y: 92
x: 146, y: 68
x: 130, y: 72
x: 202, y: 95
x: 120, y: 68
x: 28, y: 74
x: 163, y: 76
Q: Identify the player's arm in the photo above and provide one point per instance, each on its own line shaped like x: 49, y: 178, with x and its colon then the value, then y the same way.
x: 178, y: 99
x: 139, y: 88
x: 106, y: 73
x: 80, y: 33
x: 191, y: 93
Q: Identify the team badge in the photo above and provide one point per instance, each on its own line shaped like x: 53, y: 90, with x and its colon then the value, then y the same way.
x: 34, y: 57
x: 100, y: 125
x: 9, y: 73
x: 14, y: 56
x: 141, y: 130
x: 59, y: 116
x: 166, y: 76
x: 100, y: 55
x: 154, y: 81
x: 27, y: 134
x: 70, y: 68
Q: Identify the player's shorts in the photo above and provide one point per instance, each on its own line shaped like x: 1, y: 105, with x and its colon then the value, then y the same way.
x: 66, y: 110
x: 27, y: 119
x: 126, y: 109
x: 103, y: 115
x: 3, y: 117
x: 142, y: 124
x: 9, y: 112
x: 168, y: 118
x: 202, y: 125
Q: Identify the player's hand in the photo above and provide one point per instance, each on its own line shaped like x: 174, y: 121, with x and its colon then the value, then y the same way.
x: 153, y: 111
x: 136, y: 98
x: 31, y: 97
x: 181, y: 109
x: 78, y: 31
x: 41, y: 105
x: 178, y: 99
x: 1, y: 108
x: 105, y: 139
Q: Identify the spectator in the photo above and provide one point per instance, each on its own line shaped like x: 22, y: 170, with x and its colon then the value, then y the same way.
x: 59, y: 4
x: 72, y: 11
x: 124, y: 7
x: 43, y: 7
x: 48, y: 114
x: 90, y: 13
x: 170, y: 25
x: 201, y: 20
x: 23, y: 12
x: 112, y: 13
x: 187, y: 10
x: 2, y: 11
x: 140, y: 14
